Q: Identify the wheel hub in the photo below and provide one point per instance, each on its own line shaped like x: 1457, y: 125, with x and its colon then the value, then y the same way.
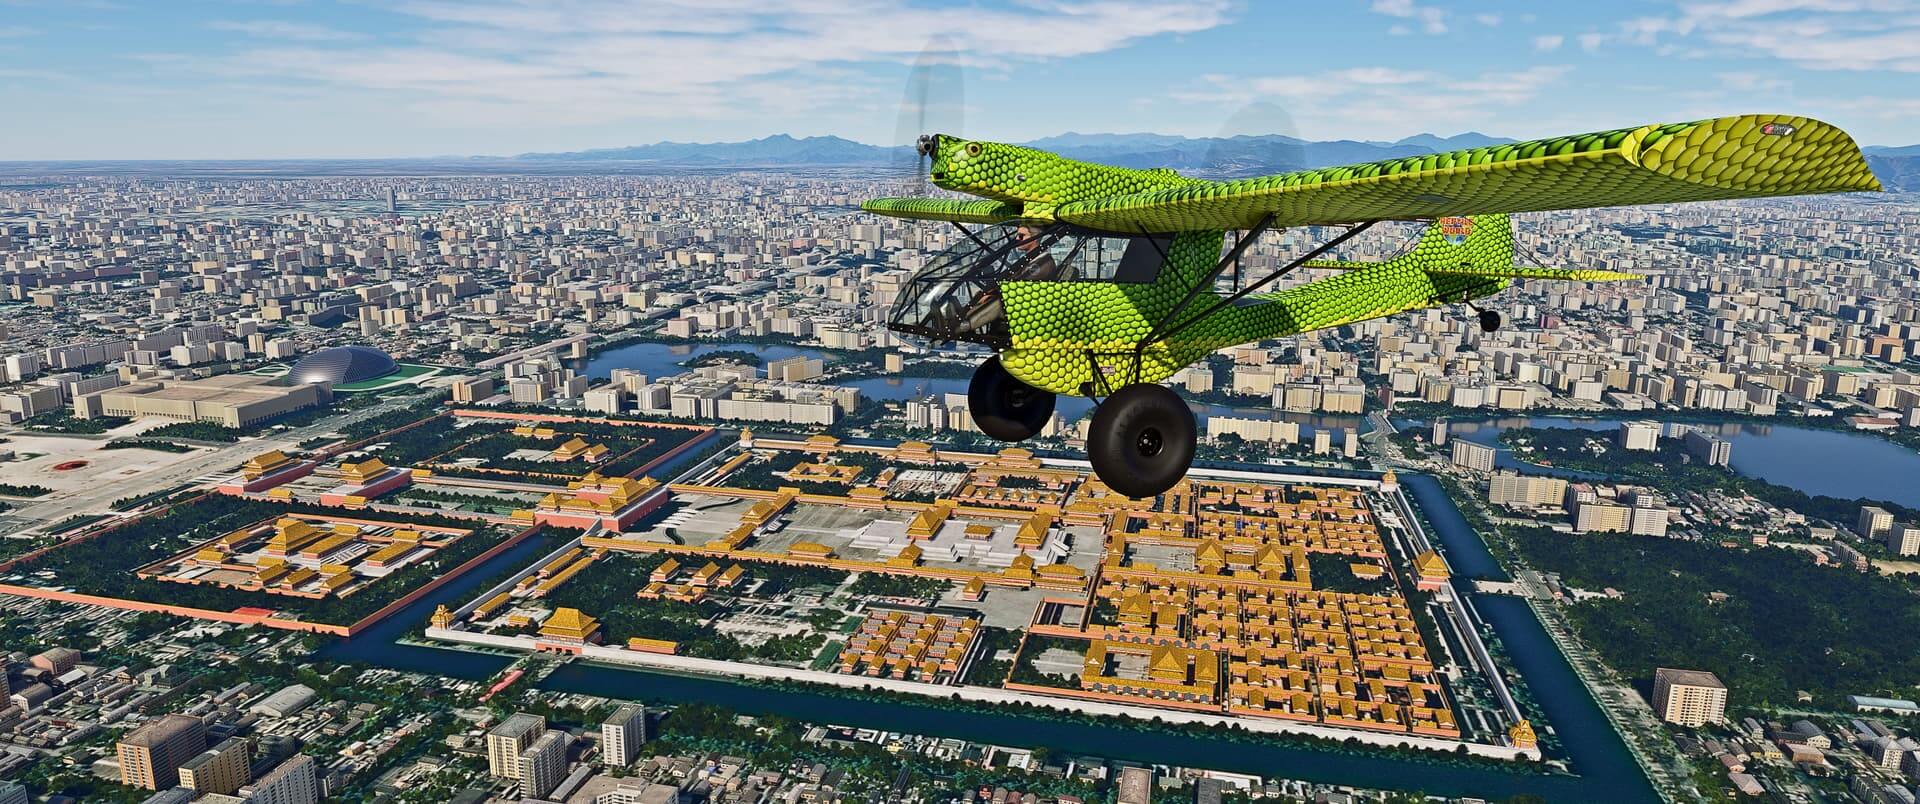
x: 1150, y: 442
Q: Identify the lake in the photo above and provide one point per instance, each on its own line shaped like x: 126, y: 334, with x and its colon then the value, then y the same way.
x: 1832, y: 463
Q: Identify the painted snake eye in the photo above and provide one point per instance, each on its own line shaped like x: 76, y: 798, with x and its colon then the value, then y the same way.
x: 973, y: 149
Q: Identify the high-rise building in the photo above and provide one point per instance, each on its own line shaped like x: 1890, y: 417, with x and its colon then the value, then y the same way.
x: 1648, y: 518
x: 1642, y: 436
x: 1689, y: 698
x: 622, y: 735
x: 1707, y: 449
x: 13, y: 793
x: 472, y: 389
x: 1478, y: 457
x: 151, y: 756
x: 220, y: 769
x: 295, y: 781
x: 1601, y: 517
x: 506, y: 741
x: 544, y: 764
x: 611, y: 400
x: 1440, y: 432
x: 1904, y: 539
x: 1515, y: 489
x: 1874, y: 522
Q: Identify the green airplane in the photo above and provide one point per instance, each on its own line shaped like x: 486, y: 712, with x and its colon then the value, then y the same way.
x: 1101, y: 281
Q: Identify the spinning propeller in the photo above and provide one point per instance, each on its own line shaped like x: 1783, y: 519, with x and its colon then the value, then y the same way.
x: 933, y: 105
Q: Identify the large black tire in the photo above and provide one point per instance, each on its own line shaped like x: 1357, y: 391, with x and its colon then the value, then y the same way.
x: 1141, y: 440
x: 1005, y: 408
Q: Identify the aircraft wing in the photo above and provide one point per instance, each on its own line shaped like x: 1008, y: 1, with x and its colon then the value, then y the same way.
x: 943, y: 209
x: 1747, y: 156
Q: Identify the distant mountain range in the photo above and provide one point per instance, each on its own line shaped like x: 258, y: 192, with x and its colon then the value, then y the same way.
x: 1898, y: 167
x: 1243, y: 155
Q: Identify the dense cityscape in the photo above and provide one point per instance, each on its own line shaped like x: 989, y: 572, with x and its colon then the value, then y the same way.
x: 408, y: 489
x: 998, y: 402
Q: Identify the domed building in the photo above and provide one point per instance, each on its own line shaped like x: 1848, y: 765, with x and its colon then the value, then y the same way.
x: 342, y: 364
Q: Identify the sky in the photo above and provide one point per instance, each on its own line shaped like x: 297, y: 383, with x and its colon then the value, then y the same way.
x: 213, y: 79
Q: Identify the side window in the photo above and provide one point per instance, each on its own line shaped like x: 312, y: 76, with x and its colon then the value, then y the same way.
x: 1117, y: 259
x: 1143, y: 258
x: 1060, y: 255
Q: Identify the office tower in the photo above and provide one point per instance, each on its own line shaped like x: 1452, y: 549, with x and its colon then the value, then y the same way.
x: 1904, y: 539
x: 393, y: 201
x: 1689, y: 698
x: 151, y: 756
x: 13, y: 793
x: 506, y: 741
x: 1478, y: 457
x: 1440, y: 432
x: 295, y: 781
x: 1642, y: 436
x: 543, y: 764
x: 472, y: 389
x: 220, y: 769
x: 1513, y: 488
x: 1707, y: 449
x: 1874, y: 522
x: 622, y: 735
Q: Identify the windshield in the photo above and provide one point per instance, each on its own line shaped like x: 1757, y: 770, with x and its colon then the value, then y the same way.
x: 956, y: 297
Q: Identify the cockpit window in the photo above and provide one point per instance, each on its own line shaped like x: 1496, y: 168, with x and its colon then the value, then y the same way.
x: 956, y: 297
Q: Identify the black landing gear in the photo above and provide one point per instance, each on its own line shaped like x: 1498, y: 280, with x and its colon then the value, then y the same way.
x: 1141, y: 440
x: 1005, y: 408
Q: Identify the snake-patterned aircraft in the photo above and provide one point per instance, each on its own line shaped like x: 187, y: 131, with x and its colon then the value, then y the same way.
x: 1100, y: 281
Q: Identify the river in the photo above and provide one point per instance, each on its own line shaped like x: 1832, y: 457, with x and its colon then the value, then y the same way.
x: 1832, y: 463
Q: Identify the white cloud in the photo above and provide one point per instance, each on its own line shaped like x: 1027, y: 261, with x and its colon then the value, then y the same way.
x: 12, y: 31
x: 1432, y: 20
x: 1753, y: 82
x: 290, y: 31
x: 1862, y: 35
x: 1373, y: 102
x: 1487, y: 20
x: 1591, y: 42
x: 598, y: 61
x: 1548, y: 43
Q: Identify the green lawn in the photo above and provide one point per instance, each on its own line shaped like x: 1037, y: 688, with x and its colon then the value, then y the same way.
x: 407, y: 372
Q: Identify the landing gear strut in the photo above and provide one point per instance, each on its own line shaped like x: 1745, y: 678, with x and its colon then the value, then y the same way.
x: 1005, y: 408
x: 1141, y: 440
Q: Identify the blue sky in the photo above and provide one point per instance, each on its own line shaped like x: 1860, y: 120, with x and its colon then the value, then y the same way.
x: 98, y: 79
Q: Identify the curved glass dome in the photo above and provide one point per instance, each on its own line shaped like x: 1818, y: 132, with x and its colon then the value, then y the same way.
x: 342, y: 364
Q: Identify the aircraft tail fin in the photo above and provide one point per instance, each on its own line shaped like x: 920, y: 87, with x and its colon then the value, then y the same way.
x: 1478, y: 245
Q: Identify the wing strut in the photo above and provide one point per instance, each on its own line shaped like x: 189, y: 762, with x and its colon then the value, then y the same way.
x: 1239, y: 246
x: 971, y: 236
x: 1157, y: 336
